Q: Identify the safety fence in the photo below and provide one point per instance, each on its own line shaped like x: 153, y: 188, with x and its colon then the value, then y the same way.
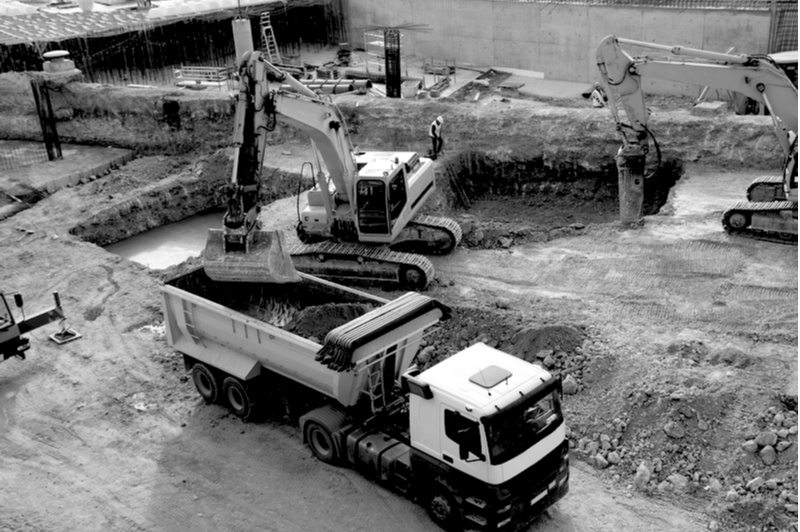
x: 14, y: 155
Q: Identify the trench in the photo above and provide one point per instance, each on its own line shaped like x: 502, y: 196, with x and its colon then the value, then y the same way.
x: 543, y: 196
x: 493, y: 196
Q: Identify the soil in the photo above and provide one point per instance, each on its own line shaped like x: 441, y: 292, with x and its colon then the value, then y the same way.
x: 680, y: 341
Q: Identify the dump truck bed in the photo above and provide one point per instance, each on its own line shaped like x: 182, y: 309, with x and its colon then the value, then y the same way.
x: 317, y: 333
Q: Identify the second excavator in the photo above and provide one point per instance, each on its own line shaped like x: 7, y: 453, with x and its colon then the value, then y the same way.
x: 363, y: 219
x: 770, y: 211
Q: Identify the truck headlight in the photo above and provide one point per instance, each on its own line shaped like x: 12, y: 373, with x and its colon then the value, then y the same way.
x: 476, y: 502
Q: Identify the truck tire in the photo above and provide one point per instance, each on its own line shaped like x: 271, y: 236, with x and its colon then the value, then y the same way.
x: 238, y: 399
x: 443, y: 510
x: 206, y: 382
x: 321, y: 442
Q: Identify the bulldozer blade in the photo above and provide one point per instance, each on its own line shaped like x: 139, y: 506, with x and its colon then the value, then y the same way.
x: 267, y: 262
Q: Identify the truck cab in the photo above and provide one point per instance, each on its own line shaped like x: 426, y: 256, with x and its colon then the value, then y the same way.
x: 490, y: 425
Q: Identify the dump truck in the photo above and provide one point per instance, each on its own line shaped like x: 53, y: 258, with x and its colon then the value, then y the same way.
x: 478, y: 438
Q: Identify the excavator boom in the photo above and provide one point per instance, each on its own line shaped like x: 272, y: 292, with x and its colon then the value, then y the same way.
x: 769, y: 210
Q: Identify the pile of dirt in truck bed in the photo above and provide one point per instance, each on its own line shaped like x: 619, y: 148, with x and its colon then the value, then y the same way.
x: 315, y: 322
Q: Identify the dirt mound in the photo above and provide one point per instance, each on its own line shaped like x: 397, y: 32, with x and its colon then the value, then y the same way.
x: 528, y: 343
x: 316, y: 322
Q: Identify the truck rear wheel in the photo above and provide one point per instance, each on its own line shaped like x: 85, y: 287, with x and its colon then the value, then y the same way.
x: 238, y: 398
x: 206, y: 383
x: 321, y: 442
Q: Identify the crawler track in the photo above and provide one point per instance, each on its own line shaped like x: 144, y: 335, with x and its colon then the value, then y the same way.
x: 766, y: 188
x: 432, y: 235
x: 737, y: 220
x: 363, y: 263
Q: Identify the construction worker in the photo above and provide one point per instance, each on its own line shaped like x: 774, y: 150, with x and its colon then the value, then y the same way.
x: 436, y: 136
x: 598, y: 96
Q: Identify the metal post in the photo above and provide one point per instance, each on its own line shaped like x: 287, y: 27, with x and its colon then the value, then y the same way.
x: 630, y: 170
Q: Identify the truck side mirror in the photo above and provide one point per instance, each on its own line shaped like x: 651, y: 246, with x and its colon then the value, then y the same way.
x: 463, y: 454
x: 18, y: 300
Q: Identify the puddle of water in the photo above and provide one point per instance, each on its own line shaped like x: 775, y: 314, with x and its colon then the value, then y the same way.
x: 168, y: 245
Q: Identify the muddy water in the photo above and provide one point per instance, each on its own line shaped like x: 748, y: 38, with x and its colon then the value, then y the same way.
x: 170, y: 244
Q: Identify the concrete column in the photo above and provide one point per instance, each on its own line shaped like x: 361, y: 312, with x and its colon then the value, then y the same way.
x: 630, y: 169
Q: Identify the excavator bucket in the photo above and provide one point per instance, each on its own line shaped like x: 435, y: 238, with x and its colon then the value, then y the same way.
x: 267, y: 260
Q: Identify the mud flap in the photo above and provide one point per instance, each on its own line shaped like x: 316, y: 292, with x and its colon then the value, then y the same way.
x: 267, y: 260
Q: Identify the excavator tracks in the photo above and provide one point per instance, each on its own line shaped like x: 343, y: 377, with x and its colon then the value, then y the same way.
x: 773, y: 221
x: 766, y: 188
x: 432, y: 235
x: 369, y: 264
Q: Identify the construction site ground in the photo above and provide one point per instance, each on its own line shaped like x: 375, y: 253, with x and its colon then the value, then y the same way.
x: 679, y: 341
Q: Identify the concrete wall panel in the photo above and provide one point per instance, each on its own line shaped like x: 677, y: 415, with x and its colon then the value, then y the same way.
x: 749, y: 33
x: 473, y: 19
x: 556, y: 39
x: 472, y: 51
x: 563, y: 40
x: 438, y: 15
x: 515, y: 54
x: 518, y: 22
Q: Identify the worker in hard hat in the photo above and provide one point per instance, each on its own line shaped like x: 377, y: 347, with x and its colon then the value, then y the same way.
x: 436, y: 136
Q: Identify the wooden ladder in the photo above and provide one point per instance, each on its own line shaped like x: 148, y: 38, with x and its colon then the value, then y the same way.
x: 268, y: 43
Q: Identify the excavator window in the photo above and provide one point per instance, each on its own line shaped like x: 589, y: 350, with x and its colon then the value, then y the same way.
x: 372, y: 203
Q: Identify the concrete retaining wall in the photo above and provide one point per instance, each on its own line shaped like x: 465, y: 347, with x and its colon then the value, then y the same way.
x: 558, y: 40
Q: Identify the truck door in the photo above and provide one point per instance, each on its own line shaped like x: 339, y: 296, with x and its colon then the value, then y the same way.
x: 462, y: 443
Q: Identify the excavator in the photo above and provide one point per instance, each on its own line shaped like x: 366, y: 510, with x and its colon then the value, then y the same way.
x: 362, y: 222
x: 770, y: 211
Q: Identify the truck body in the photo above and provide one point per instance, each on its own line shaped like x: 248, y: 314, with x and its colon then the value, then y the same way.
x: 478, y: 439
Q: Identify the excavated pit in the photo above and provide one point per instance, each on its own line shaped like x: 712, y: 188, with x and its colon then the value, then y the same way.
x: 542, y: 196
x: 500, y: 198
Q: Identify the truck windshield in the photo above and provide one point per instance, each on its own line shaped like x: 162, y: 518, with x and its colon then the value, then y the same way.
x: 514, y: 430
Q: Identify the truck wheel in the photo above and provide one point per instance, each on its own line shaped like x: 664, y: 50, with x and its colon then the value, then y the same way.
x: 443, y: 510
x: 321, y: 442
x: 237, y: 396
x: 206, y: 383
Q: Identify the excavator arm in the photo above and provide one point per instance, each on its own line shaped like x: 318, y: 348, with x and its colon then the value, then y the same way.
x: 771, y: 209
x: 754, y: 76
x: 303, y: 109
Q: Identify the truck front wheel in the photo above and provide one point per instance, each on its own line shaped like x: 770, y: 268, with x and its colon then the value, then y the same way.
x: 237, y: 396
x: 206, y: 383
x: 321, y: 442
x: 443, y: 511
